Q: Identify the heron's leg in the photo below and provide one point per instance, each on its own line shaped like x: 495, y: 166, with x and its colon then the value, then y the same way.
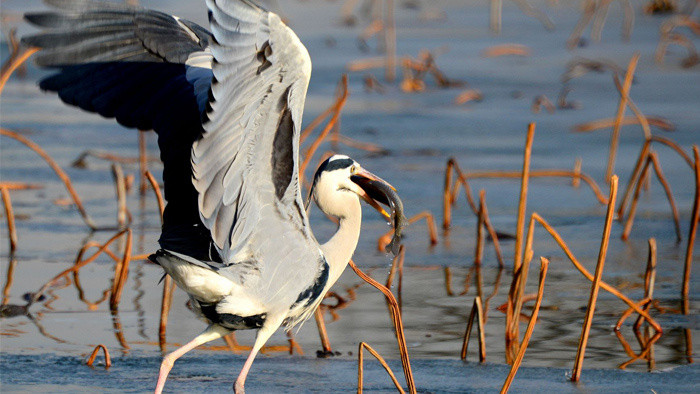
x: 211, y: 333
x: 263, y: 335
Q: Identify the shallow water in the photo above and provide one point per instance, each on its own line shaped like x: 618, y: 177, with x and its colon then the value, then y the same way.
x: 420, y: 132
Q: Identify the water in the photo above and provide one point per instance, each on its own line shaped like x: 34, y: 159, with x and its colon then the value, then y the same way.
x: 420, y: 131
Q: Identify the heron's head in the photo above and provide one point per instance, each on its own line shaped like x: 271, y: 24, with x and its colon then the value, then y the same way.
x: 340, y: 180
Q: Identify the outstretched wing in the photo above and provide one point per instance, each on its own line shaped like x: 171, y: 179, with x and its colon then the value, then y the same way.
x: 245, y: 166
x: 148, y: 70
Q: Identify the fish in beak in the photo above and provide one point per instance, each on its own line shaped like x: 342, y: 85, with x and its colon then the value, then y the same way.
x: 375, y: 191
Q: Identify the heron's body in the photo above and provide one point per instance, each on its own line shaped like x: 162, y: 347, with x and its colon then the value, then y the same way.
x: 227, y: 108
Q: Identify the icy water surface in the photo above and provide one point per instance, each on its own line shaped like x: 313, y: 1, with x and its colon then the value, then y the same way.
x: 421, y: 131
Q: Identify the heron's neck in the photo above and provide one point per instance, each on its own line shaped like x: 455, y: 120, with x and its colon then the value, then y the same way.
x: 339, y: 249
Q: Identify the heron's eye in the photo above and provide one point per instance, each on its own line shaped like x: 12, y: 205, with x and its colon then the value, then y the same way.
x: 353, y: 169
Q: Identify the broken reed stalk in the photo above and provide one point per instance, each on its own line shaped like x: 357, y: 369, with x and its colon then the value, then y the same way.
x: 477, y: 313
x: 15, y: 60
x: 120, y: 187
x: 517, y: 290
x: 647, y: 349
x: 578, y: 365
x: 544, y: 265
x: 635, y: 199
x: 21, y: 186
x: 518, y: 258
x: 694, y: 221
x: 610, y: 289
x: 121, y: 271
x: 630, y: 103
x: 10, y: 217
x: 322, y: 333
x: 661, y: 123
x: 77, y: 265
x: 636, y: 171
x: 385, y: 239
x: 165, y: 303
x: 677, y: 148
x: 398, y: 325
x: 360, y: 367
x: 479, y: 248
x: 450, y: 194
x: 93, y: 355
x: 649, y: 279
x: 336, y: 115
x: 156, y: 190
x: 10, y: 279
x: 576, y: 180
x: 624, y: 94
x: 57, y: 169
x: 574, y: 175
x: 669, y: 194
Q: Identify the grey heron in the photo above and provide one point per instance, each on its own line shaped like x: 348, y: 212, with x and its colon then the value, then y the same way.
x: 227, y: 107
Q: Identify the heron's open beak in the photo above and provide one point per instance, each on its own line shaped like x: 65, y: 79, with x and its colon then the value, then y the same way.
x: 375, y: 190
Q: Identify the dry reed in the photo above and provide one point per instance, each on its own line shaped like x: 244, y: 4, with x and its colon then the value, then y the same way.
x: 649, y: 280
x: 156, y: 189
x: 609, y: 288
x: 10, y: 277
x: 10, y: 218
x: 578, y: 365
x: 165, y: 304
x: 323, y: 334
x: 661, y: 123
x: 93, y: 355
x: 120, y: 188
x: 614, y: 138
x: 308, y: 154
x: 57, y: 169
x: 518, y: 255
x: 360, y: 367
x: 121, y: 271
x: 479, y: 247
x: 477, y: 313
x: 398, y: 325
x: 450, y: 198
x: 506, y: 50
x: 552, y: 173
x: 544, y: 265
x: 18, y: 56
x: 385, y: 239
x: 694, y: 221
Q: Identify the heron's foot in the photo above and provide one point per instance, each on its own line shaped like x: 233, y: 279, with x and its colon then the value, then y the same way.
x: 238, y: 387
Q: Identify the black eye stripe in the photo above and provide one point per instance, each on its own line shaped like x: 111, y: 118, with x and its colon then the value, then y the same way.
x: 335, y: 165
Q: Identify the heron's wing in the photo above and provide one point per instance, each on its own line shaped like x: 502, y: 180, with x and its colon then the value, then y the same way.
x: 245, y: 166
x: 148, y: 70
x: 83, y: 32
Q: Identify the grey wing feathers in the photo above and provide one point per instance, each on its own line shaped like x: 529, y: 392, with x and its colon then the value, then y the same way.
x: 246, y: 163
x: 86, y: 31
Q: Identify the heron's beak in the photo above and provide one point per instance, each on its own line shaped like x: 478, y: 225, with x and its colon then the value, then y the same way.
x: 375, y: 190
x: 372, y: 190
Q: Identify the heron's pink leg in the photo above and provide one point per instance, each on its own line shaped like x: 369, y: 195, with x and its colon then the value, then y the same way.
x: 211, y: 333
x: 263, y: 335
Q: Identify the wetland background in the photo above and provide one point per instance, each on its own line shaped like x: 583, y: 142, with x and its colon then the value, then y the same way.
x: 417, y: 128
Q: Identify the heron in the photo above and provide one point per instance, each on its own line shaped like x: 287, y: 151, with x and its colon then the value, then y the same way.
x: 227, y: 107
